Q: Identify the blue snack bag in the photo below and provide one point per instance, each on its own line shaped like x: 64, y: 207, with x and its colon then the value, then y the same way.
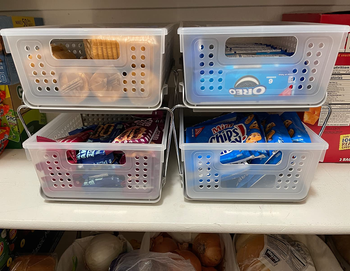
x: 96, y: 157
x: 275, y: 130
x: 106, y: 132
x: 83, y: 129
x: 230, y: 117
x: 295, y: 127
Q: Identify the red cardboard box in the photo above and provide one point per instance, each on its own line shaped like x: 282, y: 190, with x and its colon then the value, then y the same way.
x: 337, y: 132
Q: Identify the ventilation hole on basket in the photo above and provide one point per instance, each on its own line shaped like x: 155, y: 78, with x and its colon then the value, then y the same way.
x: 27, y: 48
x: 208, y: 186
x: 38, y: 57
x: 211, y: 46
x: 69, y: 180
x: 30, y: 56
x: 58, y: 168
x: 208, y: 156
x: 295, y: 181
x: 211, y: 79
x: 137, y: 157
x: 143, y: 66
x: 143, y: 74
x: 129, y: 186
x: 220, y: 80
x: 143, y: 48
x: 129, y: 175
x: 208, y: 174
x: 211, y: 55
x: 133, y: 73
x: 292, y: 163
x: 297, y: 175
x: 200, y: 163
x: 201, y: 186
x: 202, y: 87
x: 299, y: 170
x: 48, y: 89
x: 311, y: 79
x: 133, y: 57
x: 35, y: 73
x: 144, y: 175
x: 316, y: 62
x: 50, y: 168
x: 200, y: 169
x: 133, y: 89
x: 145, y: 169
x: 46, y: 81
x: 59, y: 174
x: 55, y: 185
x: 201, y: 64
x: 303, y: 157
x: 53, y: 179
x: 133, y: 48
x: 137, y: 175
x: 308, y: 54
x: 137, y: 181
x: 137, y: 163
x: 51, y: 173
x: 56, y: 162
x: 220, y: 87
x: 143, y: 57
x: 318, y: 54
x: 220, y: 72
x: 201, y: 47
x: 37, y: 81
x: 291, y: 169
x: 302, y: 79
x: 129, y: 181
x: 208, y: 163
x: 300, y: 87
x: 211, y: 64
x: 200, y: 180
x: 278, y: 187
x: 145, y: 164
x: 48, y: 162
x: 321, y: 45
x: 124, y: 73
x: 137, y: 169
x: 70, y: 185
x: 301, y: 164
x: 286, y: 187
x: 289, y: 175
x: 133, y: 65
x: 57, y: 89
x: 125, y: 82
x: 211, y: 88
x: 202, y: 80
x: 133, y: 82
x: 311, y: 45
x: 295, y: 70
x: 280, y: 175
x: 52, y: 73
x: 144, y: 181
x: 287, y: 181
x: 125, y: 89
x: 61, y: 180
x: 41, y: 64
x: 309, y: 87
x: 306, y: 62
x: 54, y: 81
x: 208, y: 181
x: 200, y: 156
x: 314, y: 70
x: 304, y: 71
x: 201, y: 72
x: 279, y: 181
x: 32, y: 65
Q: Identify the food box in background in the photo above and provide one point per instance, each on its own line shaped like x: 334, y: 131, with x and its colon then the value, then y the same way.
x: 33, y: 118
x: 8, y: 74
x: 15, y: 242
x: 325, y: 18
x: 337, y: 132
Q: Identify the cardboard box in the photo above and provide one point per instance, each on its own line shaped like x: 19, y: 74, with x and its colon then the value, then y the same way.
x: 337, y: 132
x: 32, y: 117
x: 326, y: 18
x: 8, y: 74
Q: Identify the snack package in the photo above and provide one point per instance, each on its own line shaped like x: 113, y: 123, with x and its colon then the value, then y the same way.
x: 230, y: 117
x: 34, y: 263
x: 83, y: 129
x: 158, y: 135
x: 275, y: 130
x: 104, y: 180
x: 98, y: 157
x: 139, y: 131
x: 295, y: 127
x: 106, y: 132
x: 312, y: 116
x: 4, y: 108
x: 273, y: 252
x: 2, y: 95
x: 4, y: 135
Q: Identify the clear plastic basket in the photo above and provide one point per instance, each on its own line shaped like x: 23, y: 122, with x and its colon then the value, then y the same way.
x: 92, y: 66
x: 206, y: 178
x: 139, y: 179
x: 258, y: 64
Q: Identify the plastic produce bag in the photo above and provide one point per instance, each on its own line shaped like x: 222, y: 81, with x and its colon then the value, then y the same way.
x: 151, y: 261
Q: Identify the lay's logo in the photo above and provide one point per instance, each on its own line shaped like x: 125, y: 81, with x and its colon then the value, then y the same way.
x: 1, y: 248
x: 228, y: 133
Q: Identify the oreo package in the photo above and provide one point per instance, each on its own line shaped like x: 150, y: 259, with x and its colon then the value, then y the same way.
x: 295, y: 127
x: 275, y: 130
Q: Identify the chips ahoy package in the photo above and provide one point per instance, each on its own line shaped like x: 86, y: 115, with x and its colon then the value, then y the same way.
x: 295, y: 127
x: 275, y: 130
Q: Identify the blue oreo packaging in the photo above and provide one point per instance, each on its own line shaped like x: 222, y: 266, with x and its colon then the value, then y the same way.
x: 275, y: 130
x: 295, y: 128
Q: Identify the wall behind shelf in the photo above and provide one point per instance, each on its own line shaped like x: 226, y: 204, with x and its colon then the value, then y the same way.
x: 91, y: 11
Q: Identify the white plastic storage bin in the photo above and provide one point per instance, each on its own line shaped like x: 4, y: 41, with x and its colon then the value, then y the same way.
x: 187, y: 237
x: 206, y: 178
x: 92, y: 66
x: 139, y: 179
x: 255, y: 64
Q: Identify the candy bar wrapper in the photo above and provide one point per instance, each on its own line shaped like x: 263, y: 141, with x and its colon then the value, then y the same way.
x: 138, y: 131
x: 4, y: 136
x: 106, y: 132
x: 97, y: 157
x: 295, y: 128
x: 83, y: 129
x: 275, y: 130
x: 103, y: 180
x: 158, y: 135
x: 230, y: 117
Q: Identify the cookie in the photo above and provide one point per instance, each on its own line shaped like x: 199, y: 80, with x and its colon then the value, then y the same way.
x: 249, y: 119
x: 287, y: 123
x: 269, y: 135
x: 254, y: 137
x: 106, y: 48
x: 74, y: 87
x: 254, y: 125
x: 107, y: 87
x: 269, y: 126
x: 291, y: 132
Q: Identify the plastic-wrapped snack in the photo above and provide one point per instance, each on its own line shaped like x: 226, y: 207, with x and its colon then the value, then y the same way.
x: 230, y: 117
x: 97, y: 157
x: 83, y: 129
x: 275, y: 130
x: 4, y: 109
x: 295, y: 127
x: 104, y: 180
x: 106, y: 132
x: 158, y: 135
x: 138, y: 131
x: 4, y: 136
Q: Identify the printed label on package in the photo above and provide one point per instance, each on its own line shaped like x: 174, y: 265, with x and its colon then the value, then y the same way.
x: 344, y: 142
x: 340, y: 115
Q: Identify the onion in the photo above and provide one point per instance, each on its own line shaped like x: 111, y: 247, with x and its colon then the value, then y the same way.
x: 102, y: 250
x: 163, y: 244
x: 208, y: 268
x: 188, y: 255
x: 207, y: 246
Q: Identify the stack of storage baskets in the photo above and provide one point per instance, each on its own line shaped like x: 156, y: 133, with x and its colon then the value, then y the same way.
x: 113, y: 69
x: 249, y: 68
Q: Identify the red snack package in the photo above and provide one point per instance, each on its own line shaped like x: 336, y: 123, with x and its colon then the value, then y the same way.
x: 138, y: 131
x: 4, y: 135
x: 4, y: 109
x: 71, y: 154
x: 2, y: 95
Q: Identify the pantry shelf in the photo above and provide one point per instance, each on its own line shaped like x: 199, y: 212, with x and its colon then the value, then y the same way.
x: 323, y: 212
